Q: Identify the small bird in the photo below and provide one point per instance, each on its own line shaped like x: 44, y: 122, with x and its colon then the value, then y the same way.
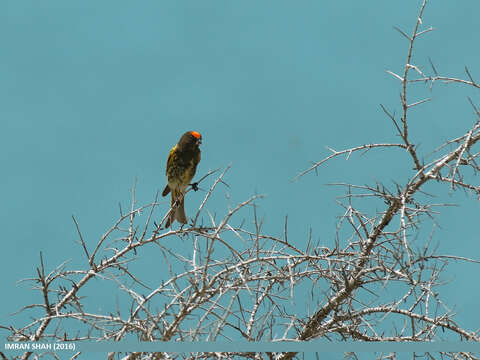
x: 181, y: 166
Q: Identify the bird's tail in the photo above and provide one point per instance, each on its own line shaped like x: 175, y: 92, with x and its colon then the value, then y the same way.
x: 180, y: 215
x: 178, y: 209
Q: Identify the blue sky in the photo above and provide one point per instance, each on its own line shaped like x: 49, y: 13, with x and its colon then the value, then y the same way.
x: 94, y: 94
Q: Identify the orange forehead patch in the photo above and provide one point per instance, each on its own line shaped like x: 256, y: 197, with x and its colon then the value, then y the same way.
x: 196, y: 134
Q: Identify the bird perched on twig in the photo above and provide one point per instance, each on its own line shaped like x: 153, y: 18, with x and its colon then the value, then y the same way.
x: 181, y: 166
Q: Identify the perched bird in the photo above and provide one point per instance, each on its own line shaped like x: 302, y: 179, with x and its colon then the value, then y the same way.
x: 181, y: 166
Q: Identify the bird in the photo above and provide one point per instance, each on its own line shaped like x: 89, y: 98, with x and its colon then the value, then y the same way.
x: 182, y: 162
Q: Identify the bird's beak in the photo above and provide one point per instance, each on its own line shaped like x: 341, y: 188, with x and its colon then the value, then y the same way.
x: 199, y: 141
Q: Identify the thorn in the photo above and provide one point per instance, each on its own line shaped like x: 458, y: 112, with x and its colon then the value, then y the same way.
x: 433, y: 67
x: 401, y: 32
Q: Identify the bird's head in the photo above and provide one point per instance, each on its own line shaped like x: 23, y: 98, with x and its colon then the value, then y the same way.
x: 197, y: 137
x: 190, y: 140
